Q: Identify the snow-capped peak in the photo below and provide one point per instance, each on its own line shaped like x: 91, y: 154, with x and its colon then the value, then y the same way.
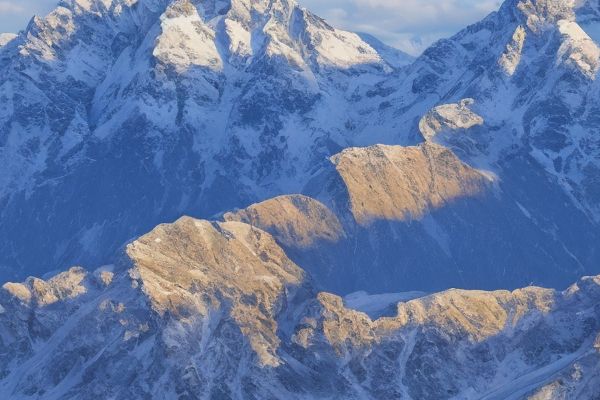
x: 542, y: 13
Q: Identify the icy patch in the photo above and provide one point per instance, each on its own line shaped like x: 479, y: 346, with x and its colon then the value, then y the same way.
x: 378, y: 305
x: 511, y: 58
x: 578, y: 50
x: 524, y: 210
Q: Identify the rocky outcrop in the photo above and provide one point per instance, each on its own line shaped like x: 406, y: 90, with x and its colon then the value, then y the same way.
x: 117, y: 116
x: 449, y: 117
x: 390, y: 183
x: 205, y: 309
x: 510, y: 59
x: 235, y: 267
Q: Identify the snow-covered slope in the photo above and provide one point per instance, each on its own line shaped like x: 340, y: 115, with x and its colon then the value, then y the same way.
x: 476, y: 165
x: 394, y: 57
x: 200, y: 309
x: 531, y: 70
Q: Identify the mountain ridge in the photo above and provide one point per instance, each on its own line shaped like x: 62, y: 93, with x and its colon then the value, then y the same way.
x: 196, y: 293
x: 320, y: 169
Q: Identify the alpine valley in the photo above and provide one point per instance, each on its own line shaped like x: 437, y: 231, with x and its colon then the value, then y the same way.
x: 284, y: 170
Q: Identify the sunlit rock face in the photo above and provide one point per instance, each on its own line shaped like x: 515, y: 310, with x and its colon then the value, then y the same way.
x: 205, y: 309
x: 389, y: 183
x: 394, y: 218
x: 448, y: 223
x: 295, y: 220
x: 232, y: 265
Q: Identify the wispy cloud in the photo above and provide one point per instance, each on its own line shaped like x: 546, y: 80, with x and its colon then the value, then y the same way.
x: 408, y: 24
x: 10, y: 7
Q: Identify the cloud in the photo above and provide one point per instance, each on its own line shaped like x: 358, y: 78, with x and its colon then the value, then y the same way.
x: 411, y: 25
x: 10, y: 7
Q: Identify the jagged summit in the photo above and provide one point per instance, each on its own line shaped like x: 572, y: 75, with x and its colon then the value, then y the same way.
x: 577, y: 48
x: 239, y: 29
x: 538, y: 13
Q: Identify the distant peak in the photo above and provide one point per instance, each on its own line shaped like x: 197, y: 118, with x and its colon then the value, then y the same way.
x: 6, y: 38
x: 393, y: 56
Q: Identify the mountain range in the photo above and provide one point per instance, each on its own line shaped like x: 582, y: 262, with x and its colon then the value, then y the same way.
x: 207, y: 310
x: 117, y: 116
x: 295, y: 168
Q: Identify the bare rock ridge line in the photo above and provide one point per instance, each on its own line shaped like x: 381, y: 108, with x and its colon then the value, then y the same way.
x: 295, y: 220
x: 201, y: 308
x: 372, y: 187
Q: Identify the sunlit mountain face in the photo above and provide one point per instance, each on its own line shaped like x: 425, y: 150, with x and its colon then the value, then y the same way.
x: 261, y: 206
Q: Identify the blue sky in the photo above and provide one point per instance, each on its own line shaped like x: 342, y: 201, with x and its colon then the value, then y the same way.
x: 410, y: 25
